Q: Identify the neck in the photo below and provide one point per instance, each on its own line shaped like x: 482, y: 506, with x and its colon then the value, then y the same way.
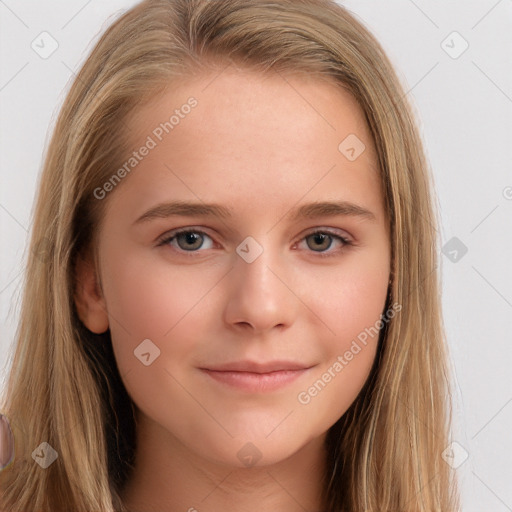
x: 168, y: 477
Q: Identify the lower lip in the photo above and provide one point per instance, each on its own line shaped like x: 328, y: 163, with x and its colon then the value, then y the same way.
x: 256, y: 382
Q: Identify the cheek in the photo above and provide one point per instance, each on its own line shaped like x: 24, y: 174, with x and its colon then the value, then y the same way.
x: 150, y: 292
x: 350, y: 305
x: 349, y: 299
x: 152, y: 299
x: 156, y: 301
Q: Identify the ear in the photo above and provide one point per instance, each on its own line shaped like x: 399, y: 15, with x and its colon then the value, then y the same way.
x: 89, y: 300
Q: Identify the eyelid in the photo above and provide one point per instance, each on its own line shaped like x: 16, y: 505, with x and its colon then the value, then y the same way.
x: 161, y: 240
x: 344, y: 237
x: 327, y: 230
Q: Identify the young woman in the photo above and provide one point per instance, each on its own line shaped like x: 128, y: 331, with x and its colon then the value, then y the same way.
x: 232, y: 298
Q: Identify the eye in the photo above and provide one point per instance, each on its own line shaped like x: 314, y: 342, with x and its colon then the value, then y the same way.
x: 187, y: 240
x: 321, y: 240
x: 191, y: 240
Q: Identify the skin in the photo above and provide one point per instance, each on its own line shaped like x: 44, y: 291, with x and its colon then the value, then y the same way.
x: 268, y: 146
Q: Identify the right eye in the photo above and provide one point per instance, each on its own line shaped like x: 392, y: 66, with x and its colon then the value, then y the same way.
x: 185, y: 240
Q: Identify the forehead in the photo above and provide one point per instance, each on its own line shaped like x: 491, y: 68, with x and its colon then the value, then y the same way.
x: 250, y: 134
x: 231, y: 101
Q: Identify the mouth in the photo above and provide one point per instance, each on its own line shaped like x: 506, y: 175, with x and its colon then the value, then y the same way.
x: 257, y: 377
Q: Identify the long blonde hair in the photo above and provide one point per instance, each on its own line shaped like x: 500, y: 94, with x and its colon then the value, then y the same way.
x: 385, y: 452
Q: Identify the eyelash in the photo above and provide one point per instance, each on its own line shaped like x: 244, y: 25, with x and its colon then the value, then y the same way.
x: 168, y: 237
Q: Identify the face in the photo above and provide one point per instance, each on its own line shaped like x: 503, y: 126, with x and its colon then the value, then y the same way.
x: 263, y: 279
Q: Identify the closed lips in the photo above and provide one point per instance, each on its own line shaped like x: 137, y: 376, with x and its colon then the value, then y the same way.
x: 256, y: 367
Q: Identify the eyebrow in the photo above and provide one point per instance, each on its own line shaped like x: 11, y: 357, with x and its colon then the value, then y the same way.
x: 305, y: 211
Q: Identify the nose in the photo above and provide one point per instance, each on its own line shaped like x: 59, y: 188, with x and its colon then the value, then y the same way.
x: 261, y: 296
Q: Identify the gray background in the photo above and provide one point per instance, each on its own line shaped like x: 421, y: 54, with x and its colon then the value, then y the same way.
x: 464, y: 105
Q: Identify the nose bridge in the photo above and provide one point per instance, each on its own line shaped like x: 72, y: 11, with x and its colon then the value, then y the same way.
x: 259, y: 295
x: 257, y: 263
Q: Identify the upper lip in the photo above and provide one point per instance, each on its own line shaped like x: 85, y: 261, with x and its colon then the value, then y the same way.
x: 255, y: 367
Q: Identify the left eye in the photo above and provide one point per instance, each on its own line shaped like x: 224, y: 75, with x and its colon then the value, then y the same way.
x: 322, y: 240
x: 192, y: 240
